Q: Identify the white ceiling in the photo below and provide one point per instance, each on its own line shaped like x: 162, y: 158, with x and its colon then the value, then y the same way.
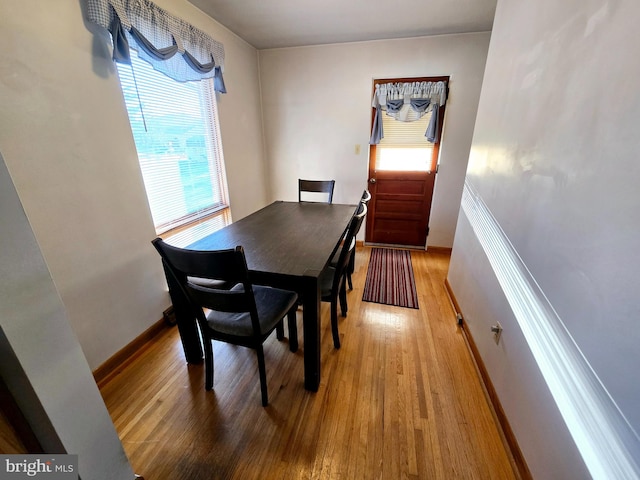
x: 289, y: 23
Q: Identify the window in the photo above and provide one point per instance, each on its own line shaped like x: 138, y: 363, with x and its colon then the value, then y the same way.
x: 176, y: 132
x: 404, y: 146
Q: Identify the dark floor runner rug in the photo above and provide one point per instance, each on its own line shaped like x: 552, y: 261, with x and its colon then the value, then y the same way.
x: 390, y: 278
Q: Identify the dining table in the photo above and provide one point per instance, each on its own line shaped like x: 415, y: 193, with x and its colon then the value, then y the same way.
x: 287, y: 245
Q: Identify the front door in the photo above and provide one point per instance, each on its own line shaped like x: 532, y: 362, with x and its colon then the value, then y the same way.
x: 402, y: 172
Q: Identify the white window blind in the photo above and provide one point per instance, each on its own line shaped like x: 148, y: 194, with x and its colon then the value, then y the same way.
x: 176, y: 132
x: 404, y: 146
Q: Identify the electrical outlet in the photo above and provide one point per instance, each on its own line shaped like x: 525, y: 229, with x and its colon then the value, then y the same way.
x: 497, y: 332
x: 357, y: 149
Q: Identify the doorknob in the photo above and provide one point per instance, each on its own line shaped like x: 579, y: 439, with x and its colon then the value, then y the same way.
x: 372, y: 180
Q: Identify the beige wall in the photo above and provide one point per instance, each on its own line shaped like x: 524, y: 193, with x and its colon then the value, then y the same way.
x: 547, y: 237
x: 42, y: 363
x: 65, y: 138
x: 316, y: 106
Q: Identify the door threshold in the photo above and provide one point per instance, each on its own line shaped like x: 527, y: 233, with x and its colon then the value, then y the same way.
x: 392, y: 245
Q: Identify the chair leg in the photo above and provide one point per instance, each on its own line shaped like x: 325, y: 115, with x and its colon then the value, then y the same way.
x: 334, y: 322
x: 263, y: 376
x: 293, y: 330
x: 342, y: 294
x: 280, y: 331
x: 208, y: 364
x: 351, y: 268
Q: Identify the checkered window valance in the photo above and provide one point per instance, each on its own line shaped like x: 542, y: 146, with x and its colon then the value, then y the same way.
x: 169, y: 44
x: 407, y: 102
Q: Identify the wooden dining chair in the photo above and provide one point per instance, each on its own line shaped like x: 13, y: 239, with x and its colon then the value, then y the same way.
x: 244, y: 314
x: 333, y: 280
x: 316, y: 187
x: 366, y: 196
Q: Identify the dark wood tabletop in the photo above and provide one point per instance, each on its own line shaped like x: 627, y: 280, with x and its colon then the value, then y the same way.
x: 287, y: 245
x: 285, y: 238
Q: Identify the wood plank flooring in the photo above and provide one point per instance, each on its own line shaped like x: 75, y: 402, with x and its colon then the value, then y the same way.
x: 400, y: 400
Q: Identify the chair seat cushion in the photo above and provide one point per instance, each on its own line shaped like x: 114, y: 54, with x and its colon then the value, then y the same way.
x: 272, y: 305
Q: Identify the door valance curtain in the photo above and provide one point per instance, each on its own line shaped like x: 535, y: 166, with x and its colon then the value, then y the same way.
x: 170, y: 44
x: 406, y: 102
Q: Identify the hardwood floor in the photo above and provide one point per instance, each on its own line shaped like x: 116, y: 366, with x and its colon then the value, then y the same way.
x: 400, y: 399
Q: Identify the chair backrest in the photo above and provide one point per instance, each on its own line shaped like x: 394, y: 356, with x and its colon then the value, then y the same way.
x: 360, y: 222
x: 366, y: 196
x: 229, y: 266
x: 349, y: 242
x: 316, y: 186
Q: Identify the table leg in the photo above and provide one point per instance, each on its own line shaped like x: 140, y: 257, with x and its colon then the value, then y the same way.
x: 311, y: 332
x: 187, y: 325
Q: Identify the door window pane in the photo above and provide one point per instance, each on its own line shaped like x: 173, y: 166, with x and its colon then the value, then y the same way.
x: 404, y: 146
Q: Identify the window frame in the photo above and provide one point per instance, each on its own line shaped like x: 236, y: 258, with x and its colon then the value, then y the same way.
x: 217, y: 213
